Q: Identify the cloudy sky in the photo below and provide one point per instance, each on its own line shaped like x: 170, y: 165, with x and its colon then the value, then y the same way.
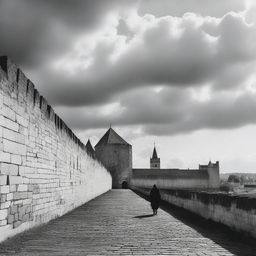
x: 180, y: 73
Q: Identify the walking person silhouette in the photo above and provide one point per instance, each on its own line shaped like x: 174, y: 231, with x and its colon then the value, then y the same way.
x: 155, y: 198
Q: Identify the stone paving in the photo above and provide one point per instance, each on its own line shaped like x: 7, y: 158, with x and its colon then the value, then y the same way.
x: 120, y: 223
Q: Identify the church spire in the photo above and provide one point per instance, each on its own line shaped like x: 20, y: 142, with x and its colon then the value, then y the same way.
x: 154, y: 153
x: 154, y: 160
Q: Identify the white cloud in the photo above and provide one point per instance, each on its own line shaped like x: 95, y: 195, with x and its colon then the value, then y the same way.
x: 168, y: 51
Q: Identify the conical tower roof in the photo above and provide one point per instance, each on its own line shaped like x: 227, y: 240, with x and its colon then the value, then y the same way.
x: 89, y: 148
x: 111, y: 137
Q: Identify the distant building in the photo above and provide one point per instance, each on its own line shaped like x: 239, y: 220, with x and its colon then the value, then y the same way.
x: 205, y: 177
x: 89, y: 149
x: 116, y: 155
x: 154, y: 160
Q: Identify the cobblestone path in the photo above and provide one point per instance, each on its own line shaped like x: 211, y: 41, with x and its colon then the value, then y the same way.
x: 117, y: 223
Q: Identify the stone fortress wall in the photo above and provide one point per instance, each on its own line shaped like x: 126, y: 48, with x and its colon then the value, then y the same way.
x: 234, y: 211
x: 44, y: 168
x: 206, y: 177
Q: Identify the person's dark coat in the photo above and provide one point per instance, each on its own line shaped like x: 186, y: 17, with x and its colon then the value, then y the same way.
x: 155, y: 197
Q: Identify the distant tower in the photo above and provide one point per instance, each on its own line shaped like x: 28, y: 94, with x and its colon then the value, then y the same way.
x: 116, y: 155
x: 89, y: 149
x: 155, y: 160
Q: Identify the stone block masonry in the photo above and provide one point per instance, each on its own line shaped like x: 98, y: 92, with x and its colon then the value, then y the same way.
x: 205, y: 177
x: 238, y: 212
x: 44, y: 168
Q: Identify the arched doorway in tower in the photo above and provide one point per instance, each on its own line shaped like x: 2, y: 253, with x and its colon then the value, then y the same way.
x: 124, y: 185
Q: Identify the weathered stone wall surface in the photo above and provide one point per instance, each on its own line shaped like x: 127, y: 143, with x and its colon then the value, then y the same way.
x: 118, y: 160
x: 168, y: 178
x: 235, y: 211
x: 44, y: 168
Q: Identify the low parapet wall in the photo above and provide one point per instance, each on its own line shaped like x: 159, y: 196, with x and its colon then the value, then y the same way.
x: 44, y: 168
x: 236, y: 212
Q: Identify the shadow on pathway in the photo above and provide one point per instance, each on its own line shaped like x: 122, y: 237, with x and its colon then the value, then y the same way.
x: 112, y: 224
x: 237, y: 243
x: 144, y: 216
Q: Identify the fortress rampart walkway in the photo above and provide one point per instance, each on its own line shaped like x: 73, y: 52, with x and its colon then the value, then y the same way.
x: 118, y: 223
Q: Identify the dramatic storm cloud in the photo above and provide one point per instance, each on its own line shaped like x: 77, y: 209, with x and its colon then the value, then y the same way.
x: 151, y: 68
x: 169, y: 51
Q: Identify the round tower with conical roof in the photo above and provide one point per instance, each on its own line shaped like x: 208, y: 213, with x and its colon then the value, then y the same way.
x: 116, y: 155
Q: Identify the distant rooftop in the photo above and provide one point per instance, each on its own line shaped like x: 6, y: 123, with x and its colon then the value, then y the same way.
x: 89, y: 148
x: 154, y: 156
x: 111, y: 137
